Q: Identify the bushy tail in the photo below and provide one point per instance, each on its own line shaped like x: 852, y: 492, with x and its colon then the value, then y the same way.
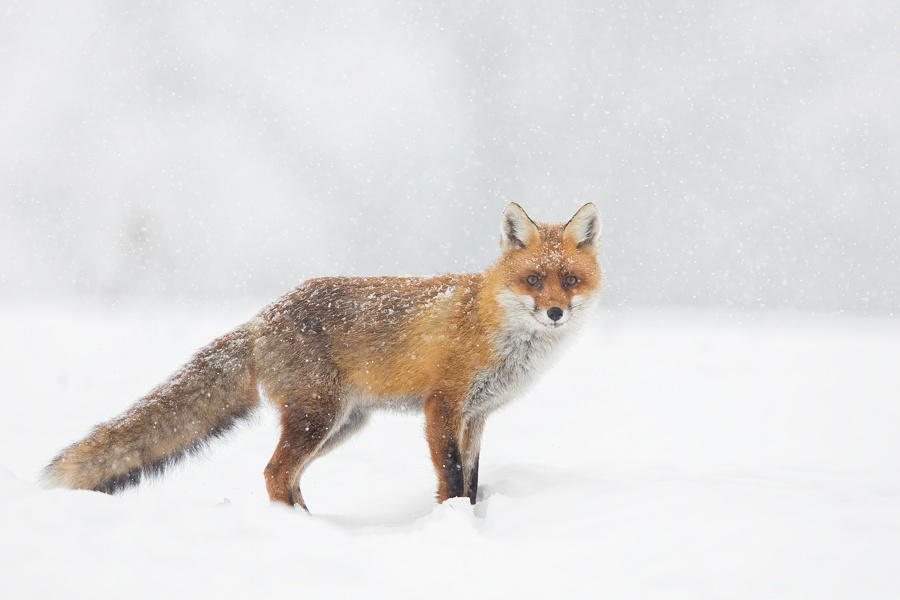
x: 202, y: 400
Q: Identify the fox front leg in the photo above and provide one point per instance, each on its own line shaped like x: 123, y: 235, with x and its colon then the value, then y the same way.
x: 471, y: 448
x: 443, y: 425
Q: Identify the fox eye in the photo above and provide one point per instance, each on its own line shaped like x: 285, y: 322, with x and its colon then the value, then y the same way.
x: 533, y: 280
x: 570, y: 280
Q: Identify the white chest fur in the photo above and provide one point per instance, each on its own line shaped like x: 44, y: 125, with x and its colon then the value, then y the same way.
x: 523, y: 354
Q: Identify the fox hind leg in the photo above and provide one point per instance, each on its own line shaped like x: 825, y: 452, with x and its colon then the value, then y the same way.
x: 353, y: 422
x: 305, y: 428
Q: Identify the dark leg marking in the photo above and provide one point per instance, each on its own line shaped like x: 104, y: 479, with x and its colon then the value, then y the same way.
x: 473, y: 483
x: 453, y: 471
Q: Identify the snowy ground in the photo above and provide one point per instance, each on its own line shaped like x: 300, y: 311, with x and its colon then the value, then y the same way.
x: 668, y: 455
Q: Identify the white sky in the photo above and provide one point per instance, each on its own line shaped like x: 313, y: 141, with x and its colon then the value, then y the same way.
x: 742, y: 154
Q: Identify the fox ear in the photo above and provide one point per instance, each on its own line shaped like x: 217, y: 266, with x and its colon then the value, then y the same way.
x: 517, y: 230
x: 583, y: 229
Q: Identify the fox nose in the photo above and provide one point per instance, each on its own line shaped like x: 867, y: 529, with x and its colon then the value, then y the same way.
x: 555, y: 313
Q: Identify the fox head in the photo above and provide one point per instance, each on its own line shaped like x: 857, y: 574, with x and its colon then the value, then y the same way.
x: 550, y: 272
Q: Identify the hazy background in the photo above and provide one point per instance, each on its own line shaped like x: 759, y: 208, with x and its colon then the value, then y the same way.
x: 743, y: 154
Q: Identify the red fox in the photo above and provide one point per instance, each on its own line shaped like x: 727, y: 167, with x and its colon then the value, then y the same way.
x: 333, y: 349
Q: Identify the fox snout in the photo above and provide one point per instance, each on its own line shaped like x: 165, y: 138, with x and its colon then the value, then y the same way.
x: 555, y: 316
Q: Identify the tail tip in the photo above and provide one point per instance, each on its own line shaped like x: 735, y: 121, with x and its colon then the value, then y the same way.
x: 50, y: 477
